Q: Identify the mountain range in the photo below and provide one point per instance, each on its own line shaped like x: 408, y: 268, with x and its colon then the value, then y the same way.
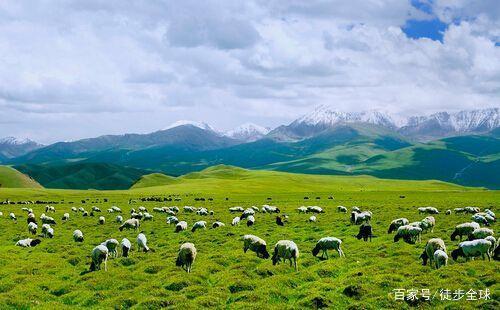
x: 460, y: 147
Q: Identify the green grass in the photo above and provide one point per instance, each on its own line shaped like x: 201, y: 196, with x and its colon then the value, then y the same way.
x: 10, y: 177
x: 53, y: 275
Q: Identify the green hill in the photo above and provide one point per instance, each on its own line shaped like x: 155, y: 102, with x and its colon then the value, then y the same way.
x: 154, y: 179
x: 221, y: 179
x: 83, y: 175
x: 11, y: 178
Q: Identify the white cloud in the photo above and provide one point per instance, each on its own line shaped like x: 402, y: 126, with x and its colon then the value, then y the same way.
x: 71, y: 69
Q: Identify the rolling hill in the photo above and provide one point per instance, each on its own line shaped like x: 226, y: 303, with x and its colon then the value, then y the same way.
x: 83, y: 175
x: 11, y: 178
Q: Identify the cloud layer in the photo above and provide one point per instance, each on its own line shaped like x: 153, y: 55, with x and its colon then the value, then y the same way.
x: 72, y: 69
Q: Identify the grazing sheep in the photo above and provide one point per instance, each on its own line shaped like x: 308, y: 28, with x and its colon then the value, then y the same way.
x: 102, y: 220
x: 428, y: 223
x: 342, y: 209
x: 116, y: 209
x: 302, y: 209
x: 356, y: 209
x: 286, y: 249
x: 279, y: 222
x: 395, y: 224
x: 480, y: 219
x: 142, y: 242
x: 96, y: 209
x: 172, y: 220
x: 410, y: 234
x: 493, y: 243
x: 490, y: 213
x: 28, y: 243
x: 464, y: 229
x: 270, y: 209
x: 129, y: 224
x: 432, y: 246
x: 186, y: 256
x: 202, y: 211
x: 50, y: 209
x: 255, y: 244
x: 472, y: 210
x: 312, y: 219
x: 365, y: 232
x: 328, y: 243
x: 256, y: 209
x: 314, y: 209
x: 65, y: 217
x: 488, y: 217
x: 142, y: 209
x: 248, y: 212
x: 250, y: 220
x: 358, y: 218
x: 31, y: 218
x: 480, y: 233
x: 119, y: 219
x: 126, y: 247
x: 148, y: 216
x: 474, y: 248
x: 440, y: 258
x: 428, y: 210
x: 199, y: 225
x: 81, y: 209
x: 1, y: 213
x: 448, y: 212
x: 189, y: 209
x: 236, y: 221
x: 218, y: 224
x: 32, y: 228
x: 111, y: 244
x: 78, y: 236
x: 13, y: 216
x: 45, y: 230
x: 99, y: 255
x: 47, y: 219
x: 236, y: 209
x: 85, y: 214
x: 182, y: 225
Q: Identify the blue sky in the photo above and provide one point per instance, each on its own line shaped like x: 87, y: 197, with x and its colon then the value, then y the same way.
x: 75, y: 69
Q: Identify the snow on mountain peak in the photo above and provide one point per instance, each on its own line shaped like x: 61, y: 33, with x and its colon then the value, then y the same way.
x: 200, y: 125
x: 327, y: 116
x: 248, y: 132
x: 15, y: 141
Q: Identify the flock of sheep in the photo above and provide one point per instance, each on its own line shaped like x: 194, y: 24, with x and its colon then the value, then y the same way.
x: 481, y: 240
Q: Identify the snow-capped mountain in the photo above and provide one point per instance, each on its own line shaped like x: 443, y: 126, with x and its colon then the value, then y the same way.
x: 445, y: 124
x: 248, y: 132
x: 200, y: 125
x: 434, y: 126
x: 12, y: 147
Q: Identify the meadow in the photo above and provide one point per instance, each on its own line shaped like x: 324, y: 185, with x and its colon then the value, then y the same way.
x: 55, y: 273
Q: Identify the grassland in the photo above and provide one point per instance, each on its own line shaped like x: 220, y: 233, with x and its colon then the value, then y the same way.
x: 11, y: 178
x: 53, y: 274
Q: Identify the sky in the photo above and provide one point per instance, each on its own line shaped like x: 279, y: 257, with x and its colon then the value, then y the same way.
x: 76, y: 69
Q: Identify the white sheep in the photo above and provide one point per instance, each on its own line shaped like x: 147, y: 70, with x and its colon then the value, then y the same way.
x: 65, y: 217
x: 464, y: 229
x: 172, y: 220
x: 102, y: 220
x: 236, y: 209
x: 342, y: 209
x: 302, y: 209
x: 28, y: 243
x: 250, y: 220
x: 236, y: 221
x: 474, y: 248
x: 99, y: 255
x: 142, y: 209
x: 45, y: 230
x: 410, y: 234
x: 448, y: 212
x: 395, y: 224
x: 358, y: 218
x: 199, y: 225
x: 116, y: 209
x: 481, y: 233
x: 78, y: 236
x: 13, y: 216
x: 129, y: 224
x: 480, y: 219
x: 490, y: 213
x: 328, y: 243
x: 142, y: 243
x: 255, y: 244
x: 218, y: 224
x: 286, y: 249
x: 493, y: 243
x: 189, y: 209
x: 312, y: 219
x: 182, y: 225
x: 126, y: 247
x: 111, y: 244
x: 32, y: 228
x: 186, y: 256
x: 356, y: 209
x: 148, y: 216
x: 432, y: 246
x: 119, y: 219
x: 248, y: 212
x: 314, y: 209
x: 428, y: 223
x: 429, y: 210
x: 440, y: 258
